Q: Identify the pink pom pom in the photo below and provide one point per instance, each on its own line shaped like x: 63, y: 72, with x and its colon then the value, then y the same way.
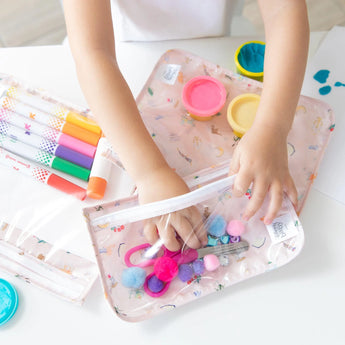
x: 211, y: 262
x: 235, y: 228
x: 165, y: 269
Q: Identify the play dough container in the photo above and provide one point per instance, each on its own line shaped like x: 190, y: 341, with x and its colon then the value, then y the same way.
x: 241, y: 112
x: 8, y: 301
x: 249, y: 59
x: 203, y: 97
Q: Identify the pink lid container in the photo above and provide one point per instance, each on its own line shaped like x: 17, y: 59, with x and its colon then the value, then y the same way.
x: 203, y: 97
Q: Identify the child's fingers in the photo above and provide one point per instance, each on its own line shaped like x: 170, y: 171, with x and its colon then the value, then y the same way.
x: 198, y: 225
x: 185, y: 230
x: 167, y: 234
x: 260, y: 188
x: 242, y: 182
x: 276, y: 199
x: 150, y: 232
x: 291, y: 191
x: 234, y: 164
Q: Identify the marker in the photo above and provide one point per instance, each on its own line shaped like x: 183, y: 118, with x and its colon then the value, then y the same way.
x: 47, y: 132
x: 100, y: 171
x: 45, y: 145
x: 40, y: 174
x: 49, y: 120
x: 45, y: 158
x: 52, y: 108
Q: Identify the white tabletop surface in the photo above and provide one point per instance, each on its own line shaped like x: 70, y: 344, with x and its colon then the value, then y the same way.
x: 300, y: 303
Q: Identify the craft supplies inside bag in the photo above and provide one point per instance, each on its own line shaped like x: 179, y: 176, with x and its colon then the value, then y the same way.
x: 47, y: 149
x: 142, y: 280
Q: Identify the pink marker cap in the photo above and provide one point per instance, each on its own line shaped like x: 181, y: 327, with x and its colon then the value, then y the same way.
x: 77, y: 145
x: 203, y: 97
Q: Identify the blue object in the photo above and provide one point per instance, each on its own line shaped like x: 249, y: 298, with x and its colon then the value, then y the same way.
x: 155, y: 284
x: 8, y: 301
x: 133, y: 277
x: 225, y: 239
x: 185, y: 272
x: 198, y: 267
x: 321, y: 76
x: 251, y: 57
x: 212, y: 241
x: 216, y: 226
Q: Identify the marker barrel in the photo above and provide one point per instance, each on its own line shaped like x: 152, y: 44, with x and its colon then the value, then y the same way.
x: 45, y: 158
x: 46, y: 132
x: 54, y: 109
x: 45, y: 145
x: 40, y: 174
x: 49, y: 120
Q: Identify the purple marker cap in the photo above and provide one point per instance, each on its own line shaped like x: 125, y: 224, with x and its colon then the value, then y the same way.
x: 74, y: 157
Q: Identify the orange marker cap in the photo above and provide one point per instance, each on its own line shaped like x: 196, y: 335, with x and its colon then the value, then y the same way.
x: 96, y: 187
x: 81, y: 133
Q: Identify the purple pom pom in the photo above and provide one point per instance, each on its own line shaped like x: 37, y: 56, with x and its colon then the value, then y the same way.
x: 216, y: 226
x: 198, y: 267
x: 155, y: 285
x: 185, y: 272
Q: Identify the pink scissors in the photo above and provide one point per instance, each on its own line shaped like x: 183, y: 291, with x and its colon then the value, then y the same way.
x: 165, y: 267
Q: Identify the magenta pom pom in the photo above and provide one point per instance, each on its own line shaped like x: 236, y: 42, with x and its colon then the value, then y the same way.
x: 185, y: 272
x: 211, y: 262
x: 155, y: 285
x: 165, y: 269
x: 235, y: 228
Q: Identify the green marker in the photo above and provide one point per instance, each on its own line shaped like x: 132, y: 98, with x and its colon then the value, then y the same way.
x: 26, y: 151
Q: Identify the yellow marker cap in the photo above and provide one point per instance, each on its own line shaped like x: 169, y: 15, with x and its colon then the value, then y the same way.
x: 83, y: 122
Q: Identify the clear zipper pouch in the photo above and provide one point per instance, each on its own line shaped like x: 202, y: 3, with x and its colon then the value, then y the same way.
x: 142, y: 279
x: 43, y: 237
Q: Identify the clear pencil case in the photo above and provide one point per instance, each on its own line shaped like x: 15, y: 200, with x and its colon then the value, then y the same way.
x: 142, y: 280
x: 43, y: 238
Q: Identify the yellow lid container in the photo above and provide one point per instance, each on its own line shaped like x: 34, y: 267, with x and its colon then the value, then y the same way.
x: 241, y: 112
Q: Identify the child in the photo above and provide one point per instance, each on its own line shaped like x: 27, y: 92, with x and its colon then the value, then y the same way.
x: 256, y: 160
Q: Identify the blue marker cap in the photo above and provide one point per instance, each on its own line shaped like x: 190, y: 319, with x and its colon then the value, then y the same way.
x: 8, y: 301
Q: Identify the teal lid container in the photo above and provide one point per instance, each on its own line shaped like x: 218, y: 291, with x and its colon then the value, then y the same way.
x: 8, y: 301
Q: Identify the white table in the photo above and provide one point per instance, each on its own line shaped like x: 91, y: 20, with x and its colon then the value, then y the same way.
x: 301, y: 303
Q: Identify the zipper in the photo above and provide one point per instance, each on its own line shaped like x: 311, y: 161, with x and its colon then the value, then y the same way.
x: 159, y: 208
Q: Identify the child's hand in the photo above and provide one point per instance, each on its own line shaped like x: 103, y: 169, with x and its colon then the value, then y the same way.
x: 261, y: 158
x: 186, y: 223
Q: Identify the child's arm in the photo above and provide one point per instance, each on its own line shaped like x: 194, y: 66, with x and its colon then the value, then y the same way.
x: 91, y: 37
x: 261, y: 156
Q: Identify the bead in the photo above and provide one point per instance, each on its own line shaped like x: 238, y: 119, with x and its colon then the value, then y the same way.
x: 235, y: 239
x: 212, y: 241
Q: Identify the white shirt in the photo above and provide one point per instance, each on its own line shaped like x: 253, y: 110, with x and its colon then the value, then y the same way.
x: 152, y: 20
